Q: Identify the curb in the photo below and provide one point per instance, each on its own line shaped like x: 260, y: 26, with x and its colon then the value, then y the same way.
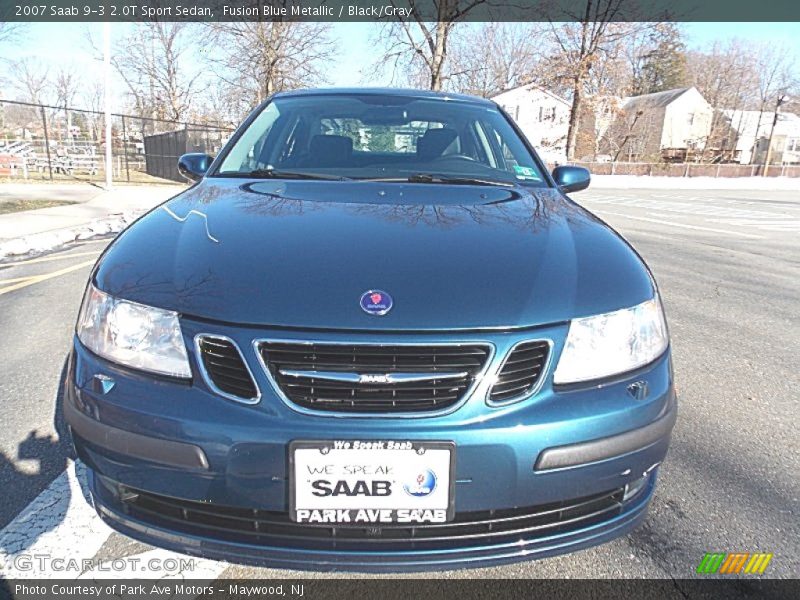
x: 48, y: 240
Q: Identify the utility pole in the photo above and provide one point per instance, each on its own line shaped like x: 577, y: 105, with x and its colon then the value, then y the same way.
x: 778, y: 101
x: 107, y: 95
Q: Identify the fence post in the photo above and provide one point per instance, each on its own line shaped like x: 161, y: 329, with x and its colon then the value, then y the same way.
x: 686, y: 171
x: 612, y: 166
x: 47, y: 143
x: 125, y: 149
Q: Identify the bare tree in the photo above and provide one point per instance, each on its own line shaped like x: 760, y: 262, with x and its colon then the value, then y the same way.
x: 419, y: 48
x: 492, y: 57
x: 725, y: 78
x: 9, y: 32
x: 591, y: 32
x: 775, y: 70
x: 66, y: 85
x: 255, y: 59
x: 30, y: 78
x: 92, y: 96
x: 153, y: 62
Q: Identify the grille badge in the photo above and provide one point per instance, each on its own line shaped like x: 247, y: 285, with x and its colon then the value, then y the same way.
x: 373, y: 377
x: 376, y: 302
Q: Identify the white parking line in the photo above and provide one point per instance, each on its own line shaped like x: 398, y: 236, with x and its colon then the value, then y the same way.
x: 58, y: 535
x: 683, y: 225
x: 59, y: 523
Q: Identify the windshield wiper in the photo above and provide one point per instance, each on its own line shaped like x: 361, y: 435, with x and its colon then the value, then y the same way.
x: 279, y: 174
x: 444, y: 179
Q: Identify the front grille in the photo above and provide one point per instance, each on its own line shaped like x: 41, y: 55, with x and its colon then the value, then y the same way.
x: 521, y: 371
x: 326, y: 377
x: 226, y: 368
x: 268, y: 528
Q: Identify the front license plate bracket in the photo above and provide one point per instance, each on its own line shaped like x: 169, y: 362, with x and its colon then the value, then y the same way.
x: 371, y: 483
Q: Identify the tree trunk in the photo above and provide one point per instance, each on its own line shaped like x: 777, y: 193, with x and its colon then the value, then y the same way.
x: 574, y: 115
x: 439, y: 56
x: 755, y: 137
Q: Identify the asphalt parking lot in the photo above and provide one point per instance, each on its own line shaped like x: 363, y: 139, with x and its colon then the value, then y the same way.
x: 728, y: 264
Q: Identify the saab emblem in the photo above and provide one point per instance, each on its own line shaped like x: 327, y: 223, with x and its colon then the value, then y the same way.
x: 376, y: 302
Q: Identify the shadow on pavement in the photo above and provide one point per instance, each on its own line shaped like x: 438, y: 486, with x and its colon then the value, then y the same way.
x: 23, y: 487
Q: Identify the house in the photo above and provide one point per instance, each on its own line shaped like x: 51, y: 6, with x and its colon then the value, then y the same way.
x: 542, y: 116
x: 671, y: 125
x: 750, y: 130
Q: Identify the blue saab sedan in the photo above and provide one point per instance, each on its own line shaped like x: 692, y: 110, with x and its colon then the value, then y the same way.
x: 375, y: 334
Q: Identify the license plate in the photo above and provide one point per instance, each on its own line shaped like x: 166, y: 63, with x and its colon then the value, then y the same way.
x: 371, y: 482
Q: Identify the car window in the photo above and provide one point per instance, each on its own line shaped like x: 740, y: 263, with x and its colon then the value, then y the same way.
x: 377, y: 136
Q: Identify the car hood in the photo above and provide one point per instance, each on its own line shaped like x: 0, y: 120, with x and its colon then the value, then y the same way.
x: 301, y: 254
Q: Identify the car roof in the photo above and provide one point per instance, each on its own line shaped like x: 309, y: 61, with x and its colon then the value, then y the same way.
x: 379, y: 91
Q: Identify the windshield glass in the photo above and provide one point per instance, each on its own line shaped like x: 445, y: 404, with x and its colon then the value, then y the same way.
x: 382, y: 137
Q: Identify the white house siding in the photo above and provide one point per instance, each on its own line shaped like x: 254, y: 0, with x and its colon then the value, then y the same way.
x: 687, y: 121
x: 752, y: 125
x: 543, y: 118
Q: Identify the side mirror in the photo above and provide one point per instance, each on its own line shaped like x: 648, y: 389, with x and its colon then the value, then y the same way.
x: 194, y: 165
x: 572, y: 179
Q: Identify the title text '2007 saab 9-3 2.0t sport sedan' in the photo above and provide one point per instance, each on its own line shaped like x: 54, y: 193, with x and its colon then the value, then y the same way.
x: 374, y: 335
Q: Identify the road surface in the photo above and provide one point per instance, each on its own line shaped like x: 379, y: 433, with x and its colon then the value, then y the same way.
x: 728, y: 264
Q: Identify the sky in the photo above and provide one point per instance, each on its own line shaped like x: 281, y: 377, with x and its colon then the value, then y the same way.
x: 58, y: 43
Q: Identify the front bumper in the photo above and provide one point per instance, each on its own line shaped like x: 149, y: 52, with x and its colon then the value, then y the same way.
x: 183, y: 441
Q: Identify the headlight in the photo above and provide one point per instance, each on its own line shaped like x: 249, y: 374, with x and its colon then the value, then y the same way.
x: 612, y: 343
x: 133, y: 334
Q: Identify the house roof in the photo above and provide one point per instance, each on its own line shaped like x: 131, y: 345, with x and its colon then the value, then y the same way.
x: 530, y: 86
x: 654, y: 100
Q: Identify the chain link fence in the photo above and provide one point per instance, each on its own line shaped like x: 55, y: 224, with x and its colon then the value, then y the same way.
x: 41, y: 142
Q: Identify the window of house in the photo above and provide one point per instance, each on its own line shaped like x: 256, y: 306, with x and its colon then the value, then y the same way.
x: 547, y: 114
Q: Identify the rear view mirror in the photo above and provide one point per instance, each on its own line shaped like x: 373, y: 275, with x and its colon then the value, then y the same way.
x: 385, y: 115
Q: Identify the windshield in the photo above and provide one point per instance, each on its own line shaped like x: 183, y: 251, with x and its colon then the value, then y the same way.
x: 383, y: 137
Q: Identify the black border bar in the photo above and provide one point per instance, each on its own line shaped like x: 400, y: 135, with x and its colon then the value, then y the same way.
x: 392, y: 10
x: 733, y: 588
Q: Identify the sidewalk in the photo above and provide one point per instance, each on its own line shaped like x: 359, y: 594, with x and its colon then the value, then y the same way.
x: 657, y: 182
x: 97, y: 212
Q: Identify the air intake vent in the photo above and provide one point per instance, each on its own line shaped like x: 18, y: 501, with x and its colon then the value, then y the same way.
x: 272, y: 529
x: 521, y: 371
x: 225, y: 369
x: 371, y: 378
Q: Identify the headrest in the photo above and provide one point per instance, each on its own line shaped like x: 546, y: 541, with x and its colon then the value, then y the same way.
x: 330, y: 150
x: 434, y: 142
